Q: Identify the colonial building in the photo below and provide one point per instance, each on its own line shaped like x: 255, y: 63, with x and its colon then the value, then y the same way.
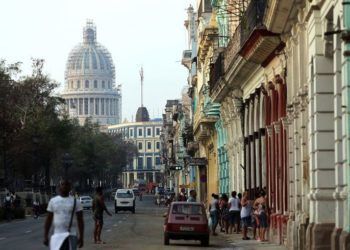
x: 90, y: 90
x: 145, y: 134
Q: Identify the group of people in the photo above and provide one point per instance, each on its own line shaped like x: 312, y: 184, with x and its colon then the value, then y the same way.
x: 237, y: 213
x: 62, y: 211
x: 10, y: 202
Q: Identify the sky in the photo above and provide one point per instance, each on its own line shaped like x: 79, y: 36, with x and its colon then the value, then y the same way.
x: 147, y: 33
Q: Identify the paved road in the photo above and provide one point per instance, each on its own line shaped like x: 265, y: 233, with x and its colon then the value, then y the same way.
x: 142, y: 230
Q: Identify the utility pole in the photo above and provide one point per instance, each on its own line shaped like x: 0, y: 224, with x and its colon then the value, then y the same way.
x: 141, y: 76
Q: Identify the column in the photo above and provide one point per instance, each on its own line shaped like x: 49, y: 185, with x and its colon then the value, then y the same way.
x: 345, y: 194
x: 127, y: 179
x: 322, y: 131
x: 154, y: 176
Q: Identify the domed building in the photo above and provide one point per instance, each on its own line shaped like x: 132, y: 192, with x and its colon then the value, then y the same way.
x: 90, y: 90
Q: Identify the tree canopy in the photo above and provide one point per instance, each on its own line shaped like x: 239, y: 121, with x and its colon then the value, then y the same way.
x: 36, y: 132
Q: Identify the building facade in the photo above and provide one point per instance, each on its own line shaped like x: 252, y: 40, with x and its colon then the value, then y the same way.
x: 90, y: 90
x: 146, y: 165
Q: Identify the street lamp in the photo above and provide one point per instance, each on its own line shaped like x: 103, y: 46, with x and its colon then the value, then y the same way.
x: 67, y: 161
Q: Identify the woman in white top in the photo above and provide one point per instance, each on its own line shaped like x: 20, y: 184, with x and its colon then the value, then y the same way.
x: 245, y: 215
x: 234, y: 212
x: 214, y: 212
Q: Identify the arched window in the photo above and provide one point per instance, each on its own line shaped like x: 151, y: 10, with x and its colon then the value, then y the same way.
x: 78, y: 84
x: 95, y: 84
x: 86, y: 84
x: 103, y: 84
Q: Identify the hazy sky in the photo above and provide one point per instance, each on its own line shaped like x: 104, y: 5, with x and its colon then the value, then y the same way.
x: 148, y: 33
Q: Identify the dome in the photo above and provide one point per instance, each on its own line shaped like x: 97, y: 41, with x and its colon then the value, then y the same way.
x: 90, y: 91
x: 142, y: 115
x: 89, y: 56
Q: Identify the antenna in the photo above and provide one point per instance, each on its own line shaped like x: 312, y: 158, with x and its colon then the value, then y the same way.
x: 141, y: 76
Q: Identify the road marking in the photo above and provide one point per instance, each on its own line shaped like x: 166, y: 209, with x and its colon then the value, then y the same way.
x: 108, y: 230
x: 2, y: 238
x: 28, y: 231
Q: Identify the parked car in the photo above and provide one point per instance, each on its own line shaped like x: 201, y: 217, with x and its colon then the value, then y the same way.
x: 86, y: 202
x: 188, y: 221
x: 124, y: 200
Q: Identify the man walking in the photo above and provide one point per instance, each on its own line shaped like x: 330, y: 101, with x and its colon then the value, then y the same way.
x: 98, y: 207
x: 61, y: 211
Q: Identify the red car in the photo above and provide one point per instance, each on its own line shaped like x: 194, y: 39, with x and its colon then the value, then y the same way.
x: 188, y: 221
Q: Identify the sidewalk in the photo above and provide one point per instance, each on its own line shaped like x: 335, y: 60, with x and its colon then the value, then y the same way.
x: 235, y: 240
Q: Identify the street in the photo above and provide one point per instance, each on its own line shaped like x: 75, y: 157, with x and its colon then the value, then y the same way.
x: 142, y: 230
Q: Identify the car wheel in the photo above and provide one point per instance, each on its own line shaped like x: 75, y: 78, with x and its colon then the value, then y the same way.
x: 205, y: 241
x: 166, y: 239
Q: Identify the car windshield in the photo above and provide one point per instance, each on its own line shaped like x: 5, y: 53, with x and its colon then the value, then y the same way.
x: 85, y: 198
x: 188, y: 209
x: 124, y: 195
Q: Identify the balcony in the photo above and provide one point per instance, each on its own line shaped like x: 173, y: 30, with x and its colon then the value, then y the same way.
x: 186, y: 58
x: 250, y: 46
x: 216, y: 72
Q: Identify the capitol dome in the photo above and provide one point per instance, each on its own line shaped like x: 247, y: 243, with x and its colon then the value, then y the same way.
x: 90, y: 90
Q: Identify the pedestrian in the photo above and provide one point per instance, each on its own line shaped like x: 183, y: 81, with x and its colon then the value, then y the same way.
x: 224, y: 213
x: 239, y: 196
x: 214, y: 212
x: 260, y: 205
x: 234, y: 212
x: 245, y: 215
x: 8, y: 207
x: 61, y: 210
x: 193, y: 196
x: 98, y: 207
x: 182, y: 196
x: 255, y: 218
x: 36, y: 206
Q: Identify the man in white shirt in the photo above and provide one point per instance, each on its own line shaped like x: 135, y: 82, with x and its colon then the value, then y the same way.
x: 59, y: 212
x: 234, y: 212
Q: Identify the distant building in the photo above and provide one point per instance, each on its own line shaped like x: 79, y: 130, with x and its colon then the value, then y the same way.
x: 145, y: 134
x: 90, y: 89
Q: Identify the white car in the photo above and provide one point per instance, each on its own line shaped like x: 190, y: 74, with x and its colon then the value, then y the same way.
x: 124, y: 200
x: 86, y: 202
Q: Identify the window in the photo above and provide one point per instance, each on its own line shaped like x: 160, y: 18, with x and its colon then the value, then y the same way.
x: 131, y: 133
x: 87, y: 84
x: 140, y: 162
x: 157, y: 160
x: 97, y: 106
x: 157, y: 131
x: 78, y: 84
x: 102, y: 106
x: 91, y: 106
x: 149, y: 131
x: 140, y: 132
x: 149, y: 162
x: 86, y: 106
x: 81, y: 100
x: 95, y: 84
x: 149, y: 145
x: 157, y: 145
x: 140, y: 145
x: 103, y: 84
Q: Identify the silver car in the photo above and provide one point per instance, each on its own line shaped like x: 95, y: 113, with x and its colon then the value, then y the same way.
x: 86, y: 202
